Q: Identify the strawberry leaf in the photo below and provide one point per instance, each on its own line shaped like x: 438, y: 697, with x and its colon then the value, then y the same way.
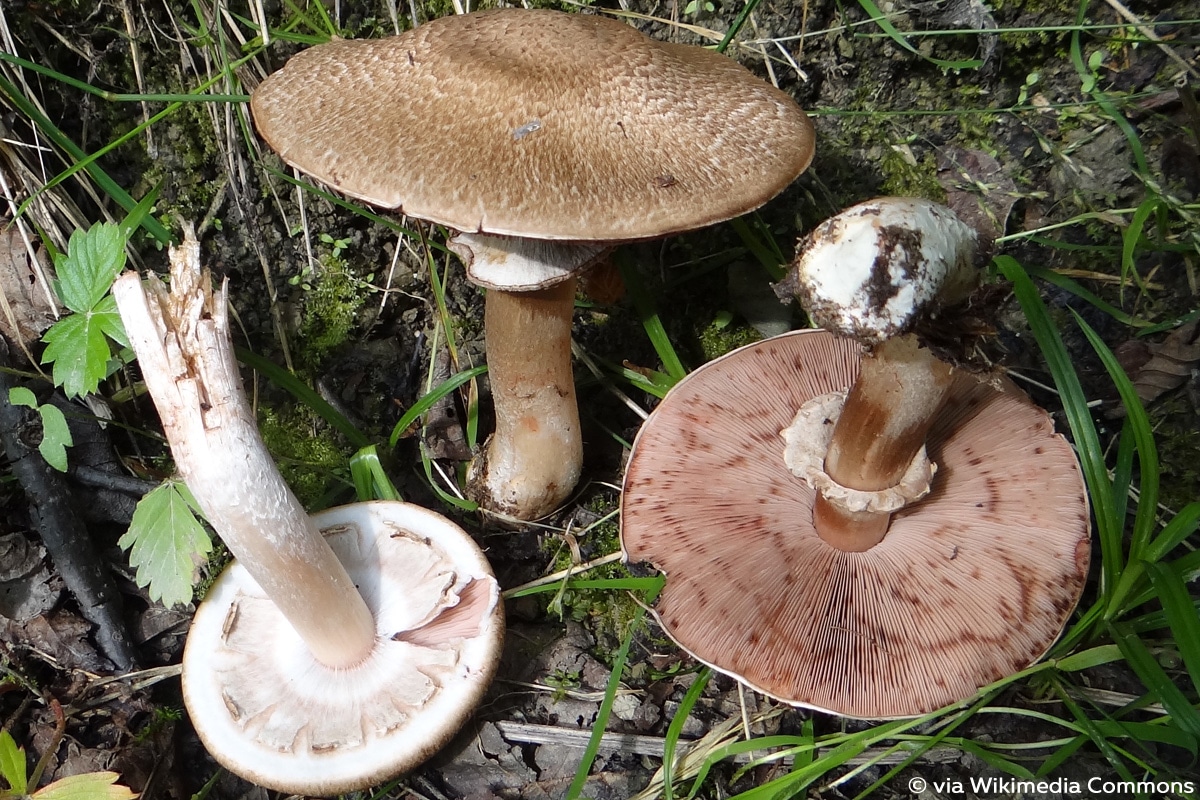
x: 90, y: 786
x: 166, y: 543
x: 90, y: 265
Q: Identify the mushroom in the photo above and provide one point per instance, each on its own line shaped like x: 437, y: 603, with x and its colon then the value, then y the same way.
x: 340, y: 649
x: 514, y: 125
x: 922, y: 583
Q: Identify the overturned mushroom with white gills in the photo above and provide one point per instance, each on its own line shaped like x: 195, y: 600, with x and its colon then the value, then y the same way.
x: 543, y: 138
x: 907, y: 544
x: 339, y: 650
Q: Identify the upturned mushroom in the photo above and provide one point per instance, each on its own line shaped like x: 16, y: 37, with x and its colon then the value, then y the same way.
x: 340, y: 649
x: 515, y: 125
x: 889, y: 566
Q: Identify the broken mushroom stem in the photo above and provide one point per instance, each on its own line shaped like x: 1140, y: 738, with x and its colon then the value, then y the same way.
x: 182, y: 342
x: 533, y: 460
x: 879, y: 436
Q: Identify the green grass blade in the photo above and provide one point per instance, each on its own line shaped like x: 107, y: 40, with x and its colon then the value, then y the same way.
x: 767, y: 253
x: 1132, y: 237
x: 737, y: 25
x: 1187, y: 567
x: 1094, y: 734
x: 1089, y: 87
x: 106, y: 184
x: 425, y: 403
x: 1123, y: 469
x: 676, y: 728
x: 1181, y: 617
x: 1087, y: 659
x: 1087, y: 441
x: 370, y: 480
x: 446, y: 497
x: 880, y: 19
x: 994, y: 759
x: 133, y: 220
x: 298, y: 389
x: 1147, y: 452
x: 1143, y: 663
x: 644, y: 305
x: 1181, y: 526
x: 651, y: 585
x: 610, y: 693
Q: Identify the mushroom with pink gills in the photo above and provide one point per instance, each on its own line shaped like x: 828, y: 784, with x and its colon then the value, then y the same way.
x: 846, y: 522
x: 544, y: 139
x: 339, y: 650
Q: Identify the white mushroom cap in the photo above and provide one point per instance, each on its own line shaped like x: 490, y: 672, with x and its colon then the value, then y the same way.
x: 871, y: 270
x: 971, y: 584
x: 269, y: 711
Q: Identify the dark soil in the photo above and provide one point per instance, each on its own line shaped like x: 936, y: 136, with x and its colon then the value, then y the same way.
x: 889, y: 122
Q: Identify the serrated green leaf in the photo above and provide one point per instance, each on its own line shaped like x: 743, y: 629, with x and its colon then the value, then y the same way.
x: 90, y: 786
x: 165, y: 542
x: 12, y: 763
x: 108, y: 319
x: 56, y: 437
x: 79, y: 350
x: 92, y: 262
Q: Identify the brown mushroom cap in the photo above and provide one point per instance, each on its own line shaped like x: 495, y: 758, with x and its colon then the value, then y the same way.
x: 971, y: 584
x: 538, y: 124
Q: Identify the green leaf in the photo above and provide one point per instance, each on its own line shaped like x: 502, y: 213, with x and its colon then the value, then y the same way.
x: 880, y: 19
x: 1181, y: 616
x: 1143, y: 663
x: 92, y: 262
x: 79, y: 351
x: 425, y: 403
x: 56, y: 437
x: 107, y: 318
x: 165, y: 543
x: 12, y: 763
x: 90, y: 786
x: 370, y: 480
x: 20, y: 396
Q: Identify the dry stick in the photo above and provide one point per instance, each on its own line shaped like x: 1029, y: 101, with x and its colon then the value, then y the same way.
x: 883, y: 426
x: 66, y: 538
x: 1149, y: 33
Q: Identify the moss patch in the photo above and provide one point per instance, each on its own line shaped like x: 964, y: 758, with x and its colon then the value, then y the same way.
x: 309, y: 455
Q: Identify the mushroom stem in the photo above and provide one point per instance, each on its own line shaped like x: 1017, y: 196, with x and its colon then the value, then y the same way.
x: 533, y: 460
x: 186, y: 356
x: 882, y: 428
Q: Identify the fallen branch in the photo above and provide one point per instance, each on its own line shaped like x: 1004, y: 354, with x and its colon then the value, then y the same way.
x: 62, y: 532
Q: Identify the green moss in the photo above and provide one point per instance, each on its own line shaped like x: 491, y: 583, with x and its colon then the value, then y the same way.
x: 330, y: 311
x: 720, y: 337
x: 308, y: 453
x: 904, y: 179
x: 607, y: 614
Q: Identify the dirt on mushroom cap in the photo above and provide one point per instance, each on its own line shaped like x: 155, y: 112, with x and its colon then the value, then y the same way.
x: 538, y: 124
